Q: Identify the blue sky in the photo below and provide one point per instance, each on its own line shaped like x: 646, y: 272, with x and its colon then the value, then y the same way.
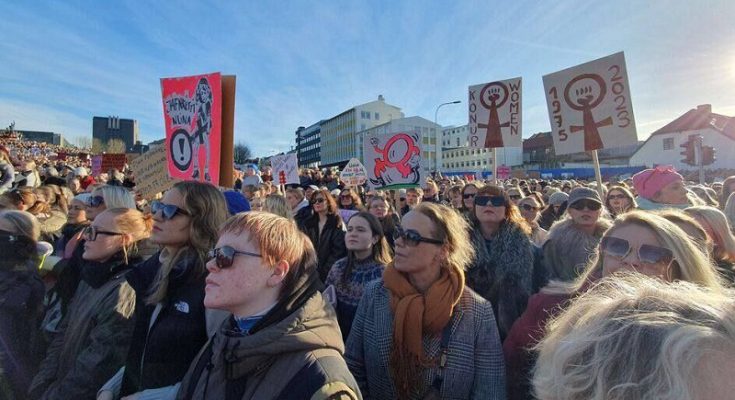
x: 300, y: 61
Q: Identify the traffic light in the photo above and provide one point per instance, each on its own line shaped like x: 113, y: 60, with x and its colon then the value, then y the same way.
x: 688, y: 153
x: 708, y: 155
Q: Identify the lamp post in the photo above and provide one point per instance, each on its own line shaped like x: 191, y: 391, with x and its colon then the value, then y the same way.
x: 437, y: 148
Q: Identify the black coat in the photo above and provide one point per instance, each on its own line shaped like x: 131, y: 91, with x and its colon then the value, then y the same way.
x: 179, y: 330
x: 329, y: 245
x: 21, y: 299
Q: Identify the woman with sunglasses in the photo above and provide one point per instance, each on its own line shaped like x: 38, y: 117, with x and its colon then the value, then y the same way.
x: 420, y: 333
x: 454, y: 197
x: 367, y: 255
x: 637, y: 242
x: 170, y: 320
x: 718, y: 230
x: 469, y: 191
x: 95, y: 334
x: 502, y: 270
x: 530, y: 209
x: 515, y: 194
x: 326, y: 231
x: 574, y: 238
x: 619, y: 200
x: 281, y: 338
x: 21, y: 301
x: 381, y: 209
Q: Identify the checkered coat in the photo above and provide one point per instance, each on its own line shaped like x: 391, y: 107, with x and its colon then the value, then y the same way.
x: 474, y: 368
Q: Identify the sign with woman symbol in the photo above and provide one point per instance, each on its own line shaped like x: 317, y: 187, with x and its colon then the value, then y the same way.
x: 495, y: 114
x: 589, y: 106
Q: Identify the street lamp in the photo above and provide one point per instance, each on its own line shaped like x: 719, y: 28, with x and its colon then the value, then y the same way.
x: 436, y: 158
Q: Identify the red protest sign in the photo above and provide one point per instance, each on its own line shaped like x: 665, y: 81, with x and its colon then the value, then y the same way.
x: 192, y: 109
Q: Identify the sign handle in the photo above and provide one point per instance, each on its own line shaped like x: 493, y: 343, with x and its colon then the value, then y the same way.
x: 495, y: 166
x: 598, y: 175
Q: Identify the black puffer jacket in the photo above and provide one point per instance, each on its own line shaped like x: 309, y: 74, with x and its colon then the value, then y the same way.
x: 330, y: 244
x: 175, y: 336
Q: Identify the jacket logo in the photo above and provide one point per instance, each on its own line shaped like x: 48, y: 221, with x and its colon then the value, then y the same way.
x: 182, y: 307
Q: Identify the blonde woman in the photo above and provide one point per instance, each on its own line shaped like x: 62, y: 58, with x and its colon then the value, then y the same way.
x: 718, y: 229
x: 637, y: 241
x: 633, y: 337
x: 276, y: 204
x: 95, y: 334
x: 170, y: 319
x: 730, y: 212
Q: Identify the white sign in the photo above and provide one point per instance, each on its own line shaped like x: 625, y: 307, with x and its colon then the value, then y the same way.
x: 285, y: 169
x: 393, y: 160
x: 590, y: 107
x: 495, y: 114
x: 354, y: 173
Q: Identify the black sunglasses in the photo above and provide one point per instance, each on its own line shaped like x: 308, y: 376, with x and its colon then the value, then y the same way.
x: 224, y: 256
x: 402, y: 199
x: 529, y: 207
x: 647, y: 253
x: 514, y: 196
x: 318, y: 201
x: 95, y: 201
x: 90, y: 233
x: 169, y: 210
x: 589, y: 204
x: 617, y: 196
x: 495, y: 201
x: 412, y: 238
x: 468, y: 195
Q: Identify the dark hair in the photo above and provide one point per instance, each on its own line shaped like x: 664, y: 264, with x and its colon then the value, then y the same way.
x: 356, y: 202
x: 380, y: 251
x: 331, y: 204
x: 512, y: 214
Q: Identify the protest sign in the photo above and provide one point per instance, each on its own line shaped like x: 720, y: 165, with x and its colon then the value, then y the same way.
x: 96, y: 165
x: 285, y: 169
x: 503, y: 172
x: 151, y: 174
x: 354, y: 173
x: 393, y: 160
x: 110, y: 161
x: 192, y: 110
x: 495, y: 114
x: 590, y: 107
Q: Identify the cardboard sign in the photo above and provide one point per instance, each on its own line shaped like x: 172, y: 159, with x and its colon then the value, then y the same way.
x: 192, y: 113
x: 285, y: 169
x: 590, y: 107
x: 151, y: 174
x: 354, y: 173
x: 111, y: 161
x: 495, y: 114
x: 96, y: 165
x: 393, y: 160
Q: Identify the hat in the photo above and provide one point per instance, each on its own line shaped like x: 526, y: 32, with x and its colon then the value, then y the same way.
x: 557, y: 198
x: 236, y: 202
x: 650, y: 181
x: 80, y: 172
x: 583, y: 193
x: 336, y: 192
x: 313, y: 187
x: 82, y: 197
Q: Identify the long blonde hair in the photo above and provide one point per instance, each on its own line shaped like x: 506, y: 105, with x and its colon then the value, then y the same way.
x: 720, y: 229
x: 276, y: 204
x: 690, y: 263
x: 634, y: 337
x: 133, y: 223
x: 207, y: 208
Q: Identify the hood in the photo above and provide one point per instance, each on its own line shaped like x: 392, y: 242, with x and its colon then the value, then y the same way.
x: 650, y: 205
x: 312, y: 326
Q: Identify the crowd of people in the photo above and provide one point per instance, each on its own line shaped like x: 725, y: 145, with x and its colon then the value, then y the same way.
x: 461, y: 289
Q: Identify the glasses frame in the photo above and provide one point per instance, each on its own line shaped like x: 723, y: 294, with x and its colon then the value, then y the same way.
x: 529, y: 207
x: 95, y: 201
x: 217, y: 255
x: 668, y: 258
x: 415, y: 239
x: 90, y: 233
x: 492, y: 201
x: 586, y: 204
x: 157, y: 206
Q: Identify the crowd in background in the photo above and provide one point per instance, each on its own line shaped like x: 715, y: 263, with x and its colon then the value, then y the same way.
x: 459, y: 288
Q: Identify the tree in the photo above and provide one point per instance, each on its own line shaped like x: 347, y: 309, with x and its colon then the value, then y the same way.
x: 116, y: 146
x: 242, y: 153
x: 84, y: 142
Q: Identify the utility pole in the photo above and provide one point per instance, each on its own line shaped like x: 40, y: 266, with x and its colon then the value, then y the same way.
x: 700, y: 159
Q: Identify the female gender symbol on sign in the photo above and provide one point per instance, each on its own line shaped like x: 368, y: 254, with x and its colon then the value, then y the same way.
x: 585, y: 102
x: 497, y: 94
x: 399, y: 153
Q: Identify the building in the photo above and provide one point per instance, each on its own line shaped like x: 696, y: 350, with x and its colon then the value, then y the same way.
x: 339, y: 133
x: 431, y: 152
x: 308, y: 145
x: 44, y: 137
x: 105, y: 129
x: 459, y: 159
x: 663, y: 146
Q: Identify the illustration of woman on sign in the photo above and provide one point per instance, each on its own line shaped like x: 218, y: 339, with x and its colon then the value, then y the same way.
x: 204, y: 126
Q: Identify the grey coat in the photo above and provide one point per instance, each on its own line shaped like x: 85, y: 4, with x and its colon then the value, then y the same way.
x: 568, y: 250
x: 474, y: 369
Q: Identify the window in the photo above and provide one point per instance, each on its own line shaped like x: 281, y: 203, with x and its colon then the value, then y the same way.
x: 377, y: 116
x: 457, y: 142
x: 668, y: 143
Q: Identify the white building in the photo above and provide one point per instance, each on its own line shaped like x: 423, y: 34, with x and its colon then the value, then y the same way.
x: 663, y: 146
x: 431, y: 151
x: 456, y: 157
x: 339, y: 133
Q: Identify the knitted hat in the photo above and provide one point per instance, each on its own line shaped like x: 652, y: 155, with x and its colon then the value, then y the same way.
x: 583, y: 193
x: 558, y: 198
x: 650, y: 181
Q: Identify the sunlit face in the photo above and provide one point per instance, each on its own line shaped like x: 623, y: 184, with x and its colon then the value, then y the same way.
x: 618, y: 200
x: 292, y: 200
x: 92, y: 212
x: 456, y: 199
x: 529, y: 209
x: 489, y: 214
x: 468, y: 196
x: 75, y: 186
x: 585, y: 217
x: 429, y: 191
x: 256, y: 204
x: 107, y: 243
x: 412, y: 198
x: 636, y: 236
x: 77, y: 212
x: 319, y: 203
x: 359, y: 236
x: 417, y: 259
x: 172, y: 232
x: 673, y: 193
x: 345, y: 198
x: 379, y: 208
x: 514, y: 196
